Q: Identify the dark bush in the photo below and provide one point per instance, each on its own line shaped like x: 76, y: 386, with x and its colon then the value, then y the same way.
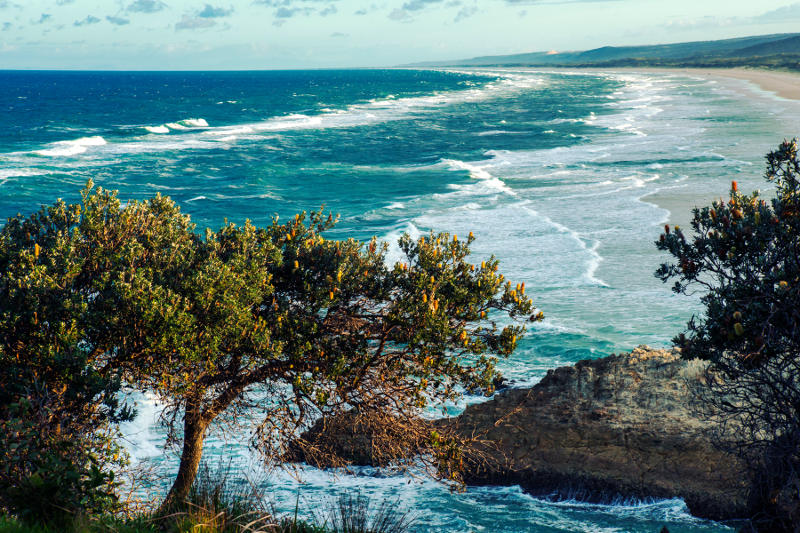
x: 744, y: 254
x: 53, y: 472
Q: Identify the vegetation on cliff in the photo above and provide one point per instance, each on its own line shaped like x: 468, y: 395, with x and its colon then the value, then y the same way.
x: 278, y: 325
x: 744, y: 254
x: 781, y: 51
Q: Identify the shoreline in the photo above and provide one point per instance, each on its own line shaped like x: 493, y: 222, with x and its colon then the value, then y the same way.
x: 779, y: 83
x: 776, y: 84
x: 783, y: 84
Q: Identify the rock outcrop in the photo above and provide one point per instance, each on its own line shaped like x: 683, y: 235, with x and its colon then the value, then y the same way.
x: 625, y: 425
x: 622, y: 426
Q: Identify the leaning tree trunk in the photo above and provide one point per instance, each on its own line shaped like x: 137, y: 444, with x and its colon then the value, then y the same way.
x: 194, y: 430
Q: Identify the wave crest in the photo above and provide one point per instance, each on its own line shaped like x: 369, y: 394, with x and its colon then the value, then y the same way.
x: 74, y: 147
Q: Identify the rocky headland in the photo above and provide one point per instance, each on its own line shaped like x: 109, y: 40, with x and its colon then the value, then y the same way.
x: 626, y: 425
x: 623, y: 426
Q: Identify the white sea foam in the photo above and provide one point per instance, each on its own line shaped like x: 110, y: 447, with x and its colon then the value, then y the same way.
x: 232, y: 130
x: 373, y: 111
x: 194, y: 123
x: 594, y: 259
x: 393, y: 108
x: 157, y: 129
x: 141, y: 440
x: 394, y: 254
x: 479, y: 173
x: 187, y: 124
x: 6, y: 173
x: 585, y: 120
x: 295, y: 121
x: 70, y: 148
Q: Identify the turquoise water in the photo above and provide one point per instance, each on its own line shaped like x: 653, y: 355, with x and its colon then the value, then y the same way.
x: 558, y: 174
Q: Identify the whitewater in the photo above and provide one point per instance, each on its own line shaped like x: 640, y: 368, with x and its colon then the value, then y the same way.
x: 567, y: 177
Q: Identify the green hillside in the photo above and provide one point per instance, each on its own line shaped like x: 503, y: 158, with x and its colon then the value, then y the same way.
x: 780, y: 51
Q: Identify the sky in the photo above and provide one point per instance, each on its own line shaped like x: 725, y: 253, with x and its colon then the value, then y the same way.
x: 270, y: 34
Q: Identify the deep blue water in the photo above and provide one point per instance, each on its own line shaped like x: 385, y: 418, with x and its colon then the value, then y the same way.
x: 566, y: 177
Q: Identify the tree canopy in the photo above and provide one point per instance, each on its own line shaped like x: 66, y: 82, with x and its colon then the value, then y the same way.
x: 745, y: 254
x: 277, y: 323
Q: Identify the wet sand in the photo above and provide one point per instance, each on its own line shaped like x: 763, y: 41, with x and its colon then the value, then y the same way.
x: 783, y: 84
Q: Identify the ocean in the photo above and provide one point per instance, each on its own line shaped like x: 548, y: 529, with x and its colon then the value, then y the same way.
x: 565, y: 176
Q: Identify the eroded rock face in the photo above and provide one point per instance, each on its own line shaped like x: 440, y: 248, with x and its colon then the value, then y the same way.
x: 625, y: 425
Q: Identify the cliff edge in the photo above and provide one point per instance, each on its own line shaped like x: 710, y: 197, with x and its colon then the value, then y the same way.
x: 625, y: 425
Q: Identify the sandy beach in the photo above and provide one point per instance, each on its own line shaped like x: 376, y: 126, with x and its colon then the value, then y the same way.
x: 783, y: 84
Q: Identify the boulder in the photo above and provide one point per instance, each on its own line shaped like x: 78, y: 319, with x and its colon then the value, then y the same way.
x: 622, y: 426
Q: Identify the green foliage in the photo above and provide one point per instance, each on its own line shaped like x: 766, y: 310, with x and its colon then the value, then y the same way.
x: 745, y: 253
x: 49, y: 473
x: 60, y: 271
x: 783, y: 61
x: 99, y: 293
x: 93, y: 524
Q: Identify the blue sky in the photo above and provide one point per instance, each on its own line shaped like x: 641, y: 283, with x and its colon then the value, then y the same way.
x: 256, y: 34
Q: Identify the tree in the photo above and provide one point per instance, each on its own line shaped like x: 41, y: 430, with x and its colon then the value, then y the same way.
x: 57, y: 408
x: 277, y: 323
x: 745, y: 253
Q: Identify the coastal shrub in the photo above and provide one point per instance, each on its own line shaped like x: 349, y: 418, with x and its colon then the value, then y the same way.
x: 219, y: 503
x: 276, y: 327
x: 58, y: 392
x: 49, y: 473
x: 352, y: 513
x: 744, y: 254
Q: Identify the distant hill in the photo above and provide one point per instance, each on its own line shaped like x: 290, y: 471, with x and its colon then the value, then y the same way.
x: 771, y: 51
